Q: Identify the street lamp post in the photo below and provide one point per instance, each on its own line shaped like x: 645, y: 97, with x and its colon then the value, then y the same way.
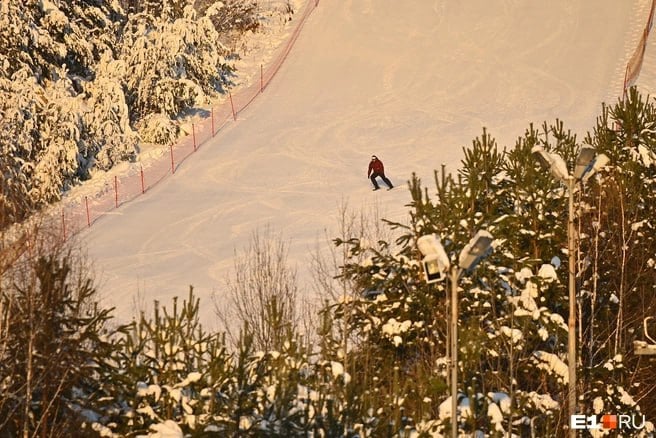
x: 436, y: 264
x: 571, y: 320
x: 453, y: 363
x: 587, y: 163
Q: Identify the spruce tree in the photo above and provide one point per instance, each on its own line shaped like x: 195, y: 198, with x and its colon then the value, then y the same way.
x: 55, y: 341
x: 617, y: 268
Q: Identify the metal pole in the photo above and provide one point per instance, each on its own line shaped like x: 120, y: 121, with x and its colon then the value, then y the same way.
x: 454, y: 351
x: 449, y: 299
x: 571, y: 322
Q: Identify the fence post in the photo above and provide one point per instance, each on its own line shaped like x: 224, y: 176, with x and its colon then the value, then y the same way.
x: 172, y: 163
x: 193, y: 135
x: 212, y: 115
x: 232, y: 105
x: 143, y: 186
x: 63, y: 224
x: 86, y: 202
x: 115, y: 191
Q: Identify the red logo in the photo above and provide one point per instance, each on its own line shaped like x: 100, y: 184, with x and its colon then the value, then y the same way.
x: 609, y: 421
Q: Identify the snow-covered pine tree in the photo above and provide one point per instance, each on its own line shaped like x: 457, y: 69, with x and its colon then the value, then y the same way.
x: 107, y: 137
x: 171, y: 66
x: 17, y: 125
x: 527, y: 308
x: 161, y: 9
x: 46, y: 51
x: 512, y: 363
x: 56, y: 142
x: 508, y: 314
x: 232, y: 18
x: 617, y: 270
x: 168, y: 368
x: 395, y: 341
x: 42, y: 127
x: 44, y: 35
x: 170, y: 373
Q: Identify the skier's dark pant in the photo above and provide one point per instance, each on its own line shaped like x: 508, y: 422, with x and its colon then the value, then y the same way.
x: 383, y: 177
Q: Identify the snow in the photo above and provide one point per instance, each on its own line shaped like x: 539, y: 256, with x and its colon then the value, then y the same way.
x: 527, y: 300
x: 646, y: 156
x: 548, y: 273
x: 558, y: 320
x: 496, y: 417
x: 515, y: 335
x: 598, y: 405
x: 625, y: 397
x: 166, y: 429
x: 553, y: 365
x: 542, y: 402
x: 412, y: 84
x: 523, y: 275
x: 393, y: 327
x: 144, y: 390
x: 338, y: 371
x: 501, y: 399
x: 445, y: 409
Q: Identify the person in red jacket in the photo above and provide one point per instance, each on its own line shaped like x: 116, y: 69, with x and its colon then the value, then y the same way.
x: 376, y: 169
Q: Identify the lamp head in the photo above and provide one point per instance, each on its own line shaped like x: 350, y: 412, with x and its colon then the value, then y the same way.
x: 434, y: 271
x: 541, y: 156
x: 435, y: 262
x: 479, y: 247
x: 554, y: 163
x: 599, y: 163
x: 584, y: 162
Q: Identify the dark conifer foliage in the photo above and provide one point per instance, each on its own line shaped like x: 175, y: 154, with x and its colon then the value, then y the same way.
x: 513, y: 307
x: 55, y: 340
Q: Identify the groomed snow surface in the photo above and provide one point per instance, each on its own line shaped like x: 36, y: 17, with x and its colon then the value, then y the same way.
x: 412, y: 83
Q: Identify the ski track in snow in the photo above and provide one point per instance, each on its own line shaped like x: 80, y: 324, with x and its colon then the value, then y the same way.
x: 412, y: 83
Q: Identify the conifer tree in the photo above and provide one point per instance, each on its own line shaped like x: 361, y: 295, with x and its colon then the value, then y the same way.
x: 55, y: 341
x: 107, y: 137
x: 48, y: 51
x: 513, y: 308
x: 171, y: 65
x: 168, y: 368
x: 43, y: 36
x: 42, y: 127
x: 618, y: 252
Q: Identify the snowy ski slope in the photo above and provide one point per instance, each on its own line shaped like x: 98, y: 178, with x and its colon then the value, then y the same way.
x: 412, y: 82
